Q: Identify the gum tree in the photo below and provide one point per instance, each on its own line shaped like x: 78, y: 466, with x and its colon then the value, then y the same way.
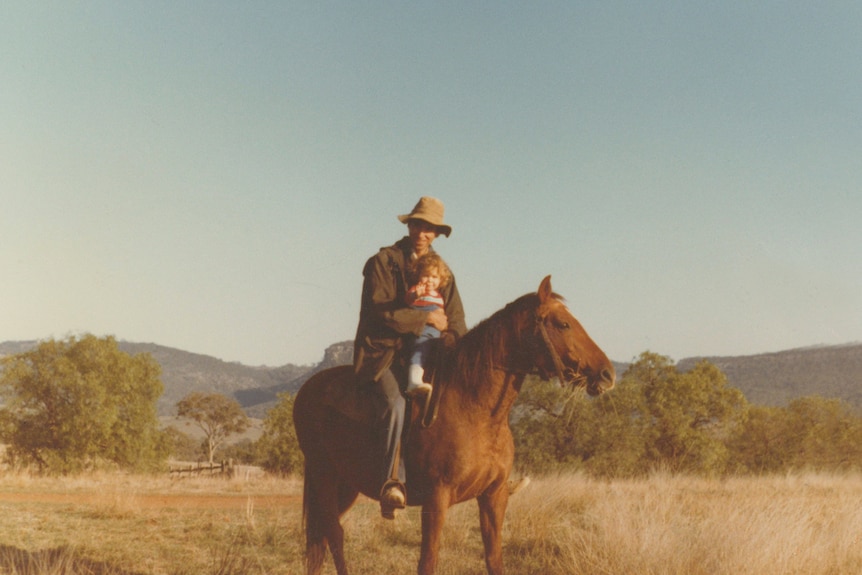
x: 75, y: 404
x: 216, y: 415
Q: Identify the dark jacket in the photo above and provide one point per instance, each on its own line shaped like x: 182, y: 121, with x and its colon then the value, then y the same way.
x: 385, y: 320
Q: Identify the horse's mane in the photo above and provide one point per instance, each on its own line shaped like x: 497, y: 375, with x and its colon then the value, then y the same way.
x: 484, y: 347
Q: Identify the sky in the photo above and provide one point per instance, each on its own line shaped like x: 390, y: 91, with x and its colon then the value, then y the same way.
x: 213, y: 175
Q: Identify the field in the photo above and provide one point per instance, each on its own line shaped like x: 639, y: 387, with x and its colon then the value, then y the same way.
x: 121, y: 525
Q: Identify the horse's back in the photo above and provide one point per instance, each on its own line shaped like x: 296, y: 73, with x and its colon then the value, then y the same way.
x: 312, y: 398
x: 334, y: 419
x: 335, y: 389
x: 313, y: 393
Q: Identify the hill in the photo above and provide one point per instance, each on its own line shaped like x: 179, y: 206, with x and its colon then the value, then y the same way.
x: 184, y: 372
x: 778, y: 378
x: 765, y: 379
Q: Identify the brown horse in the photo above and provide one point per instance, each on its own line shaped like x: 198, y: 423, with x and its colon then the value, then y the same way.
x: 467, y: 453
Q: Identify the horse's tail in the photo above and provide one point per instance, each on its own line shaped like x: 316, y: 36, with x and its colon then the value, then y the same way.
x: 315, y: 537
x: 516, y: 486
x: 306, y: 495
x: 324, y: 496
x: 304, y: 418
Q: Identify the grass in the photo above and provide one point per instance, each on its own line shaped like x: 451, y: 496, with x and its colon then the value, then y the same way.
x: 123, y: 525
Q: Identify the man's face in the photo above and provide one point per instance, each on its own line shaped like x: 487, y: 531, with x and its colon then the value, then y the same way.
x: 422, y: 235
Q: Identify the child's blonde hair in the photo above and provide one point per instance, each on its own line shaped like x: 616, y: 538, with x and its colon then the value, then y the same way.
x: 431, y: 261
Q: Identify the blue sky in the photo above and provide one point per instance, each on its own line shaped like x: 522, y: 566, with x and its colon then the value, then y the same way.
x: 213, y: 175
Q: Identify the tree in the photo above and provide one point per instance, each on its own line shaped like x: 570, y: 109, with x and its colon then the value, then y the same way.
x: 655, y: 417
x: 72, y: 404
x: 823, y: 434
x: 278, y: 448
x: 558, y: 429
x: 616, y: 442
x: 182, y: 446
x: 693, y: 414
x: 217, y: 416
x: 536, y: 426
x: 811, y: 432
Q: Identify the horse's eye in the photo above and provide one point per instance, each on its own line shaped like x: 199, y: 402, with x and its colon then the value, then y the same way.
x: 564, y: 325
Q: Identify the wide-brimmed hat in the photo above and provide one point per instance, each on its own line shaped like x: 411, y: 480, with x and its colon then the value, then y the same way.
x: 428, y: 210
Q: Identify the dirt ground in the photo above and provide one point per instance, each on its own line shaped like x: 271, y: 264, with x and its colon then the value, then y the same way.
x: 159, y: 501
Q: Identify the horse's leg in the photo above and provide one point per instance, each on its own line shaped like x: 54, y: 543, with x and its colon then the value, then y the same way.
x: 492, y: 509
x: 433, y: 517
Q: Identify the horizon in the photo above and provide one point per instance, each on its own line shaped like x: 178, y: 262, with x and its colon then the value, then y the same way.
x: 676, y: 360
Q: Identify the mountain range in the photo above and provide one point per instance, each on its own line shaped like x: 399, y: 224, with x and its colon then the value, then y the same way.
x: 765, y: 379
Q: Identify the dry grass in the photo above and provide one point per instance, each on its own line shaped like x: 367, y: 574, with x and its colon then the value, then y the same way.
x: 805, y: 524
x: 121, y: 525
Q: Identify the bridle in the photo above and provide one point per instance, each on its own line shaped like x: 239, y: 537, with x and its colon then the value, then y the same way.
x: 566, y: 375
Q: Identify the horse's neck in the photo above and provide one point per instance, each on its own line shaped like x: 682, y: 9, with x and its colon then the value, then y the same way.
x: 492, y: 400
x: 490, y: 389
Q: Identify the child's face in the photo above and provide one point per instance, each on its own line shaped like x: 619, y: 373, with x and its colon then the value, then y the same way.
x: 430, y: 278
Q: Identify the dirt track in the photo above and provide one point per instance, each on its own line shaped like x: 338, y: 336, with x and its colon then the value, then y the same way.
x: 149, y: 501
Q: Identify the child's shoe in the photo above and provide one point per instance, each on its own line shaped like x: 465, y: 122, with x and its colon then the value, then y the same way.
x: 415, y: 383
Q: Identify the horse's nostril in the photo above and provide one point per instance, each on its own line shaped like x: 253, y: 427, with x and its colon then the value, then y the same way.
x: 608, y: 376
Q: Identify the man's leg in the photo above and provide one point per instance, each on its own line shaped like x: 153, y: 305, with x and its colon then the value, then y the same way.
x: 393, y: 494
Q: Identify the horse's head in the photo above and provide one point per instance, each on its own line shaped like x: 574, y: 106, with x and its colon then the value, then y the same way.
x: 565, y: 350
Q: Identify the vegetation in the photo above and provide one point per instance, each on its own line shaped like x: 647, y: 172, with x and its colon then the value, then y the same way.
x: 675, y: 525
x: 683, y: 422
x: 810, y: 433
x: 672, y: 472
x: 278, y: 448
x: 769, y: 379
x: 80, y: 403
x: 217, y: 416
x: 182, y: 446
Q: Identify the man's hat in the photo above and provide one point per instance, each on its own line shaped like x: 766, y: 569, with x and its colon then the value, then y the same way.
x: 428, y: 210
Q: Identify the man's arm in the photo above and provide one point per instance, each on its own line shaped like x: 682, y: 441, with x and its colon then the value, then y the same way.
x: 381, y: 293
x: 454, y: 310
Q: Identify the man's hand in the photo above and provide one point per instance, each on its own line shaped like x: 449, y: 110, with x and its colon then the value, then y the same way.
x: 438, y: 319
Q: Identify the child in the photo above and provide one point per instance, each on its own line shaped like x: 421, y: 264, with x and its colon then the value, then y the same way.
x: 432, y: 273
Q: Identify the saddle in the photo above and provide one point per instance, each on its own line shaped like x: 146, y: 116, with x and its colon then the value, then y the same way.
x: 348, y: 397
x: 358, y: 402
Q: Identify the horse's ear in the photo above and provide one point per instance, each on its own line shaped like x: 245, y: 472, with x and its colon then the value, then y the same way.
x: 545, y: 290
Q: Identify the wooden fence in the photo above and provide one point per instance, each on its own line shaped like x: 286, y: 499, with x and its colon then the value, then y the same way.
x: 227, y: 469
x: 196, y: 469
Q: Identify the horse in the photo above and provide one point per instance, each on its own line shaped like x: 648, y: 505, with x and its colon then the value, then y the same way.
x: 468, y: 451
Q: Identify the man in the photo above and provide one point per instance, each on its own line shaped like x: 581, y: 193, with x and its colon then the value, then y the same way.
x: 386, y: 326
